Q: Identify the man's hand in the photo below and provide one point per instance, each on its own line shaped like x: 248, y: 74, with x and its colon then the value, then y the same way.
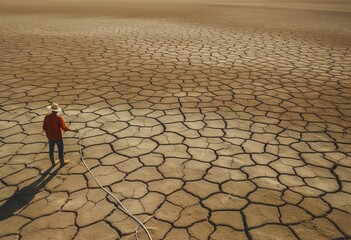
x: 73, y: 130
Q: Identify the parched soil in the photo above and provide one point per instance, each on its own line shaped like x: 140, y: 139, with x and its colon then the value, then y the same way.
x: 208, y: 119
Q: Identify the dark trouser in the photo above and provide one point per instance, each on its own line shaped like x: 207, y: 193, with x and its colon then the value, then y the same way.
x: 60, y: 150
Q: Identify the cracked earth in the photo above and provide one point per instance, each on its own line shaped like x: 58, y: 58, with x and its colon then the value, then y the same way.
x: 208, y: 121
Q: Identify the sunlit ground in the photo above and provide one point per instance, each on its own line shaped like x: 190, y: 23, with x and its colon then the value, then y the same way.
x: 207, y: 119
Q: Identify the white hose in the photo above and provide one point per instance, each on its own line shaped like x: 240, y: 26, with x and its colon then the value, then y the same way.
x: 108, y: 192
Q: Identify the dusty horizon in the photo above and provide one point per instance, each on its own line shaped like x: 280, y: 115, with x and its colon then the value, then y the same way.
x: 323, y: 19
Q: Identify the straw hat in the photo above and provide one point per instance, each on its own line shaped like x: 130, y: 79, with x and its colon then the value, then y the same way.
x: 54, y: 107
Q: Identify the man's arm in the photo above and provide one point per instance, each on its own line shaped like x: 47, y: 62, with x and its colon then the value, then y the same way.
x: 45, y: 125
x: 65, y: 127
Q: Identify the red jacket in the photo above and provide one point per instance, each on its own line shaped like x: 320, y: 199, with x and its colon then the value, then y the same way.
x: 53, y: 126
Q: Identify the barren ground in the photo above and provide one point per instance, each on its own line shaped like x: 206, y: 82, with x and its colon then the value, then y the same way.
x: 209, y: 119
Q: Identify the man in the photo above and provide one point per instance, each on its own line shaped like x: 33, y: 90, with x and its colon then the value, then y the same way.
x: 53, y: 126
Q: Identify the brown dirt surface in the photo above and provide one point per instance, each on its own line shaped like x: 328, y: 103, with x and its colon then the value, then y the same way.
x: 208, y: 119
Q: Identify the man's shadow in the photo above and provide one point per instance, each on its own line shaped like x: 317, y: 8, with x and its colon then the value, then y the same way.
x: 22, y: 197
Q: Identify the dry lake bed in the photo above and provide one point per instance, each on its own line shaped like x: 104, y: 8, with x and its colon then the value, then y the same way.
x: 208, y: 119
